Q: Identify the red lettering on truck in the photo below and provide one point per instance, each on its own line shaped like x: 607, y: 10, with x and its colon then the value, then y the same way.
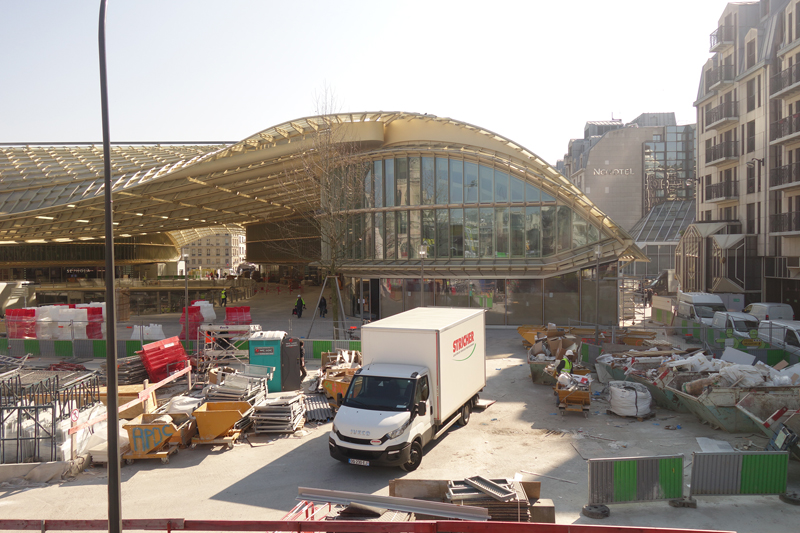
x: 461, y: 342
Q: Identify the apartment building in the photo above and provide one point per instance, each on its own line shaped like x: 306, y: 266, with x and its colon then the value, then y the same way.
x: 747, y: 236
x: 222, y: 252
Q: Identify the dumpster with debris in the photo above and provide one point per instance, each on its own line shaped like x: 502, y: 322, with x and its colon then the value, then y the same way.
x: 157, y: 436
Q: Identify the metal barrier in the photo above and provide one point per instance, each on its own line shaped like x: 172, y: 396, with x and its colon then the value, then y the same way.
x: 354, y: 526
x: 739, y: 473
x: 633, y: 479
x: 318, y: 346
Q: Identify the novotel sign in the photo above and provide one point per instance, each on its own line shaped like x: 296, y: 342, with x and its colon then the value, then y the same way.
x: 613, y: 172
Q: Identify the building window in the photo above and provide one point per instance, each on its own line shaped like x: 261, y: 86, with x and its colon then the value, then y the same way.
x: 751, y: 218
x: 751, y: 53
x: 751, y: 179
x: 751, y: 136
x: 751, y: 94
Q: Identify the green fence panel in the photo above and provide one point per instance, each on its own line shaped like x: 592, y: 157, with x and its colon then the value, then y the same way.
x: 764, y: 474
x: 63, y: 348
x: 131, y: 347
x: 4, y: 345
x: 355, y: 345
x: 585, y: 352
x: 670, y: 477
x: 31, y: 346
x: 317, y: 347
x: 99, y: 348
x: 625, y: 481
x: 776, y: 356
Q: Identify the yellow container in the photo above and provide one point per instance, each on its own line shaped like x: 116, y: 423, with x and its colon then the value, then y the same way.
x: 150, y: 433
x: 215, y: 419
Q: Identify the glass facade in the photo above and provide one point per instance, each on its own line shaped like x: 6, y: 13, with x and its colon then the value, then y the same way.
x: 669, y: 167
x: 460, y: 209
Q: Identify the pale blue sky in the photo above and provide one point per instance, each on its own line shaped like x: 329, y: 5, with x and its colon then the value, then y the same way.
x: 533, y: 71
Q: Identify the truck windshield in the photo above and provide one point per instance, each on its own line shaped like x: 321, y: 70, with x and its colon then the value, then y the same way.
x: 380, y: 393
x: 708, y: 310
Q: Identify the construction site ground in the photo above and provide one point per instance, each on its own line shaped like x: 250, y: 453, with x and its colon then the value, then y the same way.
x: 522, y: 431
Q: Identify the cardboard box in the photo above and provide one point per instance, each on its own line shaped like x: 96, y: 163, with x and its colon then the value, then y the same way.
x: 543, y: 511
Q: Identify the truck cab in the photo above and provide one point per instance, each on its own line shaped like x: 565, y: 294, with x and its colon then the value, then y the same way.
x: 385, y: 418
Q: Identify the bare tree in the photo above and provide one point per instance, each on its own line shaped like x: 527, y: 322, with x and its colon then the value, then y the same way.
x: 331, y: 181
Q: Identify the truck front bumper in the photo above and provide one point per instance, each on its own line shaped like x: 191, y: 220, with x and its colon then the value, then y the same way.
x: 396, y: 455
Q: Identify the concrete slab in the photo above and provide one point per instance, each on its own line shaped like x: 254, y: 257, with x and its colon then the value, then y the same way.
x: 521, y: 431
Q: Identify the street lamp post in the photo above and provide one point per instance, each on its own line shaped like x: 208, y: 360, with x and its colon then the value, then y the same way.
x: 597, y: 253
x: 185, y: 293
x: 423, y: 251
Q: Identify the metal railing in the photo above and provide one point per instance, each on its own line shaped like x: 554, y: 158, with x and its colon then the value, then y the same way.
x: 727, y: 110
x: 719, y: 191
x: 784, y: 222
x: 784, y: 127
x: 783, y: 79
x: 723, y: 34
x: 723, y: 150
x: 720, y: 74
x: 784, y: 175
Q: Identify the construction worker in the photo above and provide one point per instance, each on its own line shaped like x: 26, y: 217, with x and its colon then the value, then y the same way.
x: 223, y: 298
x: 567, y: 363
x: 299, y: 305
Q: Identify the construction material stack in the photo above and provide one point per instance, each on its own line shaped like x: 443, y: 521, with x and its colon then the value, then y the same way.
x: 280, y: 412
x: 505, y: 500
x: 237, y: 387
x: 162, y: 358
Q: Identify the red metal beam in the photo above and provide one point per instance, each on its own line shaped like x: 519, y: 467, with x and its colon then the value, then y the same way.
x: 338, y: 526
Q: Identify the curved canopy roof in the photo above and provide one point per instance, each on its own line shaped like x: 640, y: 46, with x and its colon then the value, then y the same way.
x: 55, y: 193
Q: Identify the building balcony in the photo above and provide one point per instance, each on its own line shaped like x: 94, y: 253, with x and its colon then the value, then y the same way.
x: 786, y: 83
x: 722, y: 153
x: 786, y: 175
x: 721, y: 39
x: 785, y: 222
x: 721, y: 192
x: 785, y: 130
x: 722, y: 115
x: 720, y: 77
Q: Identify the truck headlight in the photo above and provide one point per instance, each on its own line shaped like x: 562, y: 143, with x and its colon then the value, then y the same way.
x: 335, y: 429
x: 399, y: 431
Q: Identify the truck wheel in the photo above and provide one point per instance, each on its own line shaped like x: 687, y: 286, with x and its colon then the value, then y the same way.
x: 463, y: 420
x: 415, y: 458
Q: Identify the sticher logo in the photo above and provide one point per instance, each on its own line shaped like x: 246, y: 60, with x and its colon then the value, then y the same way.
x: 461, y: 347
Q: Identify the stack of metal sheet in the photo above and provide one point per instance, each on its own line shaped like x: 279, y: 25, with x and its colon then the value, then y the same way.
x: 130, y: 370
x: 317, y: 408
x: 504, y: 499
x: 279, y: 412
x: 238, y: 388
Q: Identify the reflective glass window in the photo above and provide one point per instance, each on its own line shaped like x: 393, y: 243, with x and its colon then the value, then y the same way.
x: 580, y: 231
x: 470, y: 183
x: 429, y: 232
x: 379, y: 236
x: 391, y: 236
x: 486, y: 185
x: 457, y: 233
x: 442, y: 181
x: 594, y: 234
x: 369, y: 236
x: 500, y: 187
x: 453, y: 292
x: 548, y: 231
x: 524, y: 301
x: 456, y: 181
x: 369, y: 196
x: 443, y: 233
x: 402, y: 234
x: 391, y: 296
x: 562, y: 298
x: 547, y: 198
x: 486, y: 232
x: 532, y: 194
x: 517, y: 190
x: 401, y: 178
x: 428, y: 181
x: 414, y: 180
x: 564, y: 222
x: 390, y: 185
x: 501, y: 232
x: 471, y: 233
x: 533, y: 231
x: 517, y: 224
x: 377, y: 172
x: 415, y: 234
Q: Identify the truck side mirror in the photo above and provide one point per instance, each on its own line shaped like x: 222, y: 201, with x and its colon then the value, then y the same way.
x: 422, y: 408
x: 339, y: 398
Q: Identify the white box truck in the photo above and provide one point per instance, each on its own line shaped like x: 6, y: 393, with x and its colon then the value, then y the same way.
x: 422, y: 373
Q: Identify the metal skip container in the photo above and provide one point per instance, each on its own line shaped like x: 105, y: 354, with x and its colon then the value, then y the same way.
x: 216, y: 422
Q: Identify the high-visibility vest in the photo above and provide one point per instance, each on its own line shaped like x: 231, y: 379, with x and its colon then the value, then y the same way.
x: 567, y: 365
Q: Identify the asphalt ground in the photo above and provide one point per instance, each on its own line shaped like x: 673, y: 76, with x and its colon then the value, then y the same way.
x: 521, y: 431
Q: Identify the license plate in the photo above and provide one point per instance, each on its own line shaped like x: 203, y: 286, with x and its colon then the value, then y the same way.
x: 359, y: 462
